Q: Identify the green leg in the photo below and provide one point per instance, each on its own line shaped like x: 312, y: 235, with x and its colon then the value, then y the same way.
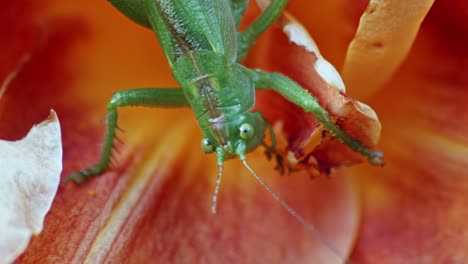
x: 149, y: 97
x: 299, y: 96
x: 247, y: 38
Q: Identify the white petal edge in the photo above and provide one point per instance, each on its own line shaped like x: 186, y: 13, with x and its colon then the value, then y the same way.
x: 298, y: 35
x: 29, y: 177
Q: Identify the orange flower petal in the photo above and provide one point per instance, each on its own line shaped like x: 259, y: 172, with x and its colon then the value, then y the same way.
x: 415, y: 209
x: 159, y: 209
x: 383, y: 39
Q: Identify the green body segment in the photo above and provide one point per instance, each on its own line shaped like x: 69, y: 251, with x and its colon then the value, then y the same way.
x: 218, y: 91
x: 221, y: 94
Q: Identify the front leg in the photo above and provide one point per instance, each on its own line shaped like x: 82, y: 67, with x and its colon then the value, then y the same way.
x: 149, y: 97
x: 301, y: 97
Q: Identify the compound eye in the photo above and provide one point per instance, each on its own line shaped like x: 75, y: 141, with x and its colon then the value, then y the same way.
x: 246, y: 131
x: 207, y: 146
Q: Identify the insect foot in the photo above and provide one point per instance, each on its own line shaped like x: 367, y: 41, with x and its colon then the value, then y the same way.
x: 375, y: 157
x: 80, y: 177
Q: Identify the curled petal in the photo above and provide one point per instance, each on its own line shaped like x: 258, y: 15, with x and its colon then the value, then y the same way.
x: 415, y: 209
x: 385, y: 35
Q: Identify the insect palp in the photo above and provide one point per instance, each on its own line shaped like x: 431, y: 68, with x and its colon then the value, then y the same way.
x: 246, y: 131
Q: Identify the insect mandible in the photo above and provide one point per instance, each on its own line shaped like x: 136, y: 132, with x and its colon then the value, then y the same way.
x: 204, y: 48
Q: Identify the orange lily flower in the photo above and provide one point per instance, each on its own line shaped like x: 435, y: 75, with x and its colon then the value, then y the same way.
x: 154, y: 205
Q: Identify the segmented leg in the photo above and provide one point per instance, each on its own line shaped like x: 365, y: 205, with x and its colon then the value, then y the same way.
x: 299, y: 96
x: 246, y: 39
x: 149, y: 97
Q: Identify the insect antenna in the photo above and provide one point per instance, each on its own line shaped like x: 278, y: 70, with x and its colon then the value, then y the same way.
x: 218, y: 184
x: 299, y: 218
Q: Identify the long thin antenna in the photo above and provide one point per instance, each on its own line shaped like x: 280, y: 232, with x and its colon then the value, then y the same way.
x: 299, y: 218
x: 218, y: 184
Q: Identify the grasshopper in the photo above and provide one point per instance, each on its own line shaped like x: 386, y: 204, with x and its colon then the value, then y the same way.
x: 204, y: 48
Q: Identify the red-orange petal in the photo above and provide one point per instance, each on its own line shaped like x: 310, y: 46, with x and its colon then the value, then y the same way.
x: 415, y: 208
x: 384, y: 38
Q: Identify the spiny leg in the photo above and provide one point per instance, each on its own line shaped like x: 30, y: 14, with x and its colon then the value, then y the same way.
x: 247, y: 38
x: 299, y: 96
x: 149, y: 97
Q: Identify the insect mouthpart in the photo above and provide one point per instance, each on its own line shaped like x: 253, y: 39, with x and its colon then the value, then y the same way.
x: 227, y: 148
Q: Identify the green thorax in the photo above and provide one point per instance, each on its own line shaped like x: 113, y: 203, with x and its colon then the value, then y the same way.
x: 219, y: 91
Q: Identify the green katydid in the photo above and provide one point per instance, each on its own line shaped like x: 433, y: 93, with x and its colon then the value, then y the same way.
x: 203, y: 48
